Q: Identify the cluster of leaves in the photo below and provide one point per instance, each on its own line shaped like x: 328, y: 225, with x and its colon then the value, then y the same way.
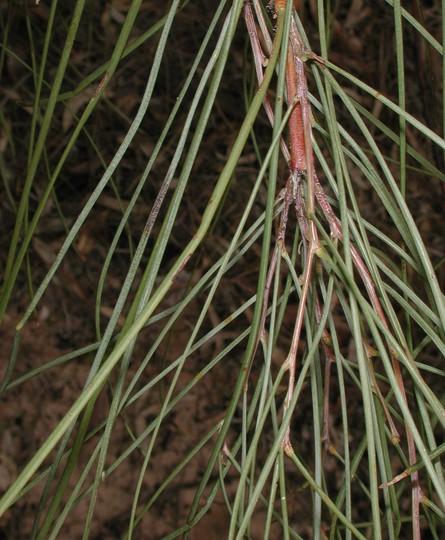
x: 350, y: 411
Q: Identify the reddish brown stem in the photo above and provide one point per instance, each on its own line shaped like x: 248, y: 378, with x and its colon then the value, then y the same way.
x: 296, y: 126
x: 301, y: 163
x: 260, y: 60
x: 271, y: 272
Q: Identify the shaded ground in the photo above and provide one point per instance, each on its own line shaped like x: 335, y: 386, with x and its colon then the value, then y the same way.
x: 63, y: 320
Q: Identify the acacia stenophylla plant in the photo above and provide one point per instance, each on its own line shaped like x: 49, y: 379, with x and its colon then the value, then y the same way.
x: 325, y: 440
